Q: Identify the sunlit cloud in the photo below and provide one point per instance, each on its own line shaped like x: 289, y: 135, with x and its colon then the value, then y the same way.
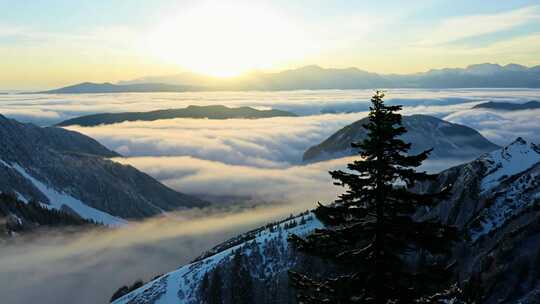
x: 272, y: 142
x: 8, y: 31
x: 62, y: 265
x: 293, y: 184
x: 501, y: 127
x: 298, y: 102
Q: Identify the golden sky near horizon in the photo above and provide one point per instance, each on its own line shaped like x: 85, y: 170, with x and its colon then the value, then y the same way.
x: 68, y: 44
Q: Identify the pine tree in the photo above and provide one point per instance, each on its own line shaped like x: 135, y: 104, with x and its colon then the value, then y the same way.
x: 241, y: 284
x: 214, y: 291
x: 370, y: 230
x: 204, y: 289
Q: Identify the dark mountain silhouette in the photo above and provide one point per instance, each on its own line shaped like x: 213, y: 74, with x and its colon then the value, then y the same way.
x: 90, y: 87
x: 68, y: 171
x: 210, y: 112
x: 449, y: 140
x: 506, y: 106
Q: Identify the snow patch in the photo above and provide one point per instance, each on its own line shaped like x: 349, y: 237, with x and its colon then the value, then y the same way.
x: 58, y: 199
x: 508, y: 161
x: 21, y: 197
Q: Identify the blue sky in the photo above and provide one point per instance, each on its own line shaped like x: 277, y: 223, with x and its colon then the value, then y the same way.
x: 55, y: 42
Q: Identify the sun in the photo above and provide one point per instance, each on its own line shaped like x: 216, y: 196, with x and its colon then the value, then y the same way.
x: 225, y: 40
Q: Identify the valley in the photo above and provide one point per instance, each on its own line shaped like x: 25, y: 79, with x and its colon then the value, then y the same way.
x: 218, y: 167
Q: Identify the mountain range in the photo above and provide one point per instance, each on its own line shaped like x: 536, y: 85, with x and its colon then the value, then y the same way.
x: 313, y: 77
x: 67, y: 171
x: 106, y: 87
x: 494, y: 201
x: 448, y: 140
x: 209, y: 112
x: 507, y: 106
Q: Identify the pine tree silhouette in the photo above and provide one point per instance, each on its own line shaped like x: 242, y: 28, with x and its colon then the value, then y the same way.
x: 370, y: 230
x: 216, y: 283
x: 241, y: 285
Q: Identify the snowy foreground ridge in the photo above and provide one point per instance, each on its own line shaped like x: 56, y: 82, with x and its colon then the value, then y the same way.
x: 491, y: 195
x: 60, y: 200
x: 182, y: 285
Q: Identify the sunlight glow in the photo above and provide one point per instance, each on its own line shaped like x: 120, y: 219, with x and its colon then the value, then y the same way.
x: 225, y: 40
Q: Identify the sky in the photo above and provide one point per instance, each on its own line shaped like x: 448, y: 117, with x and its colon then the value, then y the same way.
x: 46, y: 44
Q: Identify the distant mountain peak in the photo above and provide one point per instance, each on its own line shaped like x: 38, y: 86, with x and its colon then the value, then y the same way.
x: 508, y: 106
x: 311, y: 67
x: 484, y: 65
x: 515, y: 67
x: 449, y: 140
x: 484, y: 68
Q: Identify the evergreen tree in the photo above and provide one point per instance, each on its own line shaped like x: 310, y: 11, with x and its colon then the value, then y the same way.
x: 120, y: 292
x: 214, y: 292
x: 370, y: 228
x: 204, y: 289
x: 241, y: 284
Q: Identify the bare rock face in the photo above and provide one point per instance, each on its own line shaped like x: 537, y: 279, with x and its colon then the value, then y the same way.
x: 65, y: 169
x: 495, y: 201
x: 448, y: 140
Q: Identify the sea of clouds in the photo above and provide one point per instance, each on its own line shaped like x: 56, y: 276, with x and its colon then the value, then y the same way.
x: 251, y: 169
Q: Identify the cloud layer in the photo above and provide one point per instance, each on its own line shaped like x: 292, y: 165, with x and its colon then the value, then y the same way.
x: 46, y: 109
x: 86, y: 267
x: 272, y: 142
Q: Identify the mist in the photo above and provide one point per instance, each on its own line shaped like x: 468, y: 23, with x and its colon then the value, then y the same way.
x: 65, y: 266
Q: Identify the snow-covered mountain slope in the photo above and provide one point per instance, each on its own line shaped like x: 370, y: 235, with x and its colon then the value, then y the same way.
x: 63, y: 201
x: 265, y: 254
x: 495, y: 201
x: 480, y: 184
x: 18, y: 216
x: 68, y: 171
x: 501, y: 229
x: 513, y: 159
x: 448, y: 140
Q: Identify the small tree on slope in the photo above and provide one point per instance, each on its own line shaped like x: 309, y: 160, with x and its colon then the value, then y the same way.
x: 370, y: 229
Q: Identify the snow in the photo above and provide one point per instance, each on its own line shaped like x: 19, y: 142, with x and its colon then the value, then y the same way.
x: 510, y: 160
x: 181, y: 285
x: 18, y: 219
x: 5, y: 164
x: 21, y: 197
x: 58, y: 199
x: 516, y: 194
x: 519, y: 195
